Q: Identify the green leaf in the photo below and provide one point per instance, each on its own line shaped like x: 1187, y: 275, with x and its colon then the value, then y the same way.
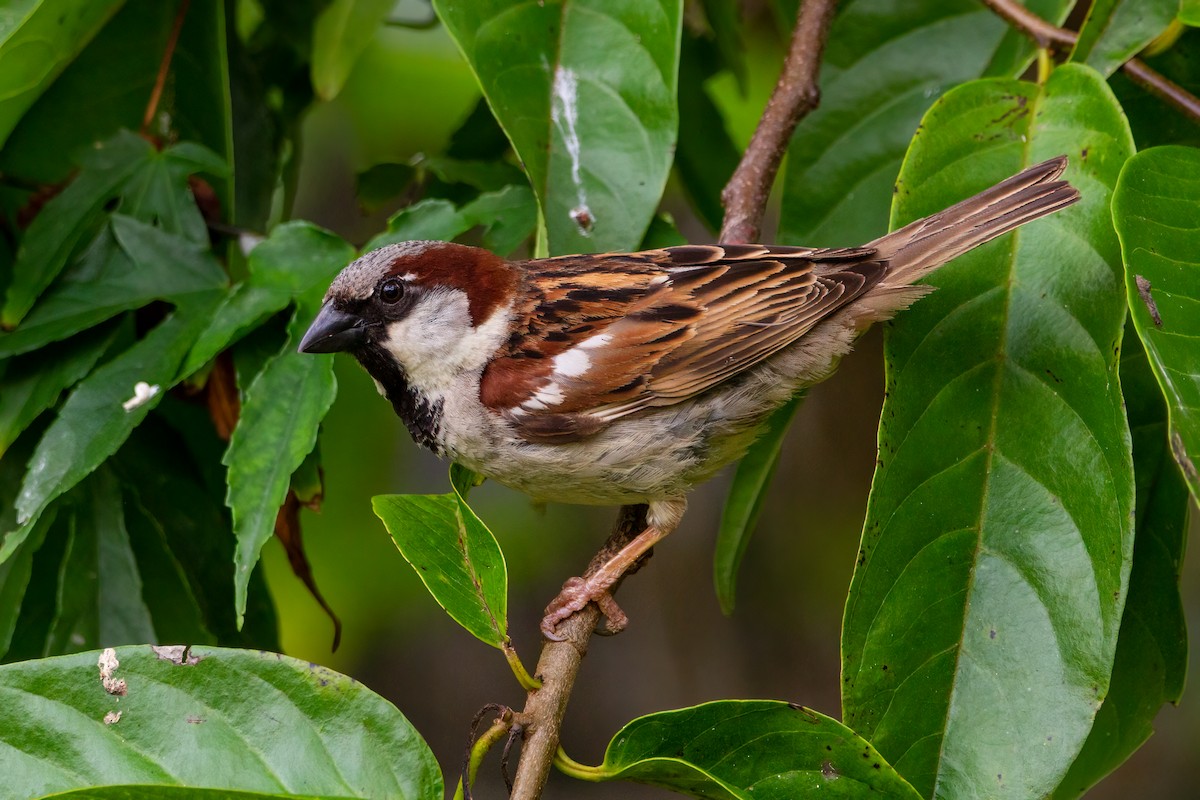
x: 60, y: 225
x: 174, y: 505
x: 32, y: 383
x: 202, y: 108
x: 1116, y: 30
x: 981, y: 626
x: 1155, y: 121
x: 99, y: 589
x: 740, y: 514
x: 706, y: 156
x: 93, y: 422
x: 106, y: 87
x: 508, y: 217
x: 281, y: 413
x: 142, y: 792
x: 1151, y: 660
x: 312, y: 730
x: 342, y: 33
x: 1189, y: 12
x: 129, y: 265
x: 38, y: 39
x: 877, y: 80
x: 454, y: 555
x: 585, y: 90
x: 158, y: 193
x: 1154, y: 211
x: 742, y: 749
x: 298, y: 259
x: 15, y: 573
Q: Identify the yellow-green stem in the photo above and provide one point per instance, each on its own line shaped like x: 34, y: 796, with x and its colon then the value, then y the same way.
x: 569, y: 766
x: 1045, y: 65
x: 527, y: 681
x: 480, y: 749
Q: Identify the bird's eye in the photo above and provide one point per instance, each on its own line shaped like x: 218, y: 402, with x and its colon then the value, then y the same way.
x: 390, y: 291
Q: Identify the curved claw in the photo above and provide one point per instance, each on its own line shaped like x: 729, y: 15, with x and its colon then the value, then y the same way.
x: 575, y: 595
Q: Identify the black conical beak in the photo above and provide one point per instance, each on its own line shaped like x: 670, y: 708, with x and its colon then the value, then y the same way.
x: 333, y: 331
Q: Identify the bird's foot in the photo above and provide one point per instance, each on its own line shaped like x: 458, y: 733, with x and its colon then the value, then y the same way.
x: 575, y: 595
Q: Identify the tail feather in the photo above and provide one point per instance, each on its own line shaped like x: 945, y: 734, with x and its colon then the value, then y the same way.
x: 922, y: 246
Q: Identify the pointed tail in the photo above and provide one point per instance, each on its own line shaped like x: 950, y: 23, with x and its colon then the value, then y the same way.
x: 922, y: 246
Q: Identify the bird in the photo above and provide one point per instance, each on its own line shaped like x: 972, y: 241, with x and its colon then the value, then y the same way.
x: 629, y: 378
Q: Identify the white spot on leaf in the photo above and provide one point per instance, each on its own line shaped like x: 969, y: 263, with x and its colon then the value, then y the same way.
x: 112, y: 717
x: 142, y: 394
x: 564, y: 111
x: 108, y: 664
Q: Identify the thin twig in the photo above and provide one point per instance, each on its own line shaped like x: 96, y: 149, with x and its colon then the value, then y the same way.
x: 745, y: 200
x: 795, y: 95
x: 164, y: 67
x: 1141, y: 73
x: 1045, y: 34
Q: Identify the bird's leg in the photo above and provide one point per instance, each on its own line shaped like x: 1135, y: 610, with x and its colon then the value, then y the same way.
x: 662, y: 517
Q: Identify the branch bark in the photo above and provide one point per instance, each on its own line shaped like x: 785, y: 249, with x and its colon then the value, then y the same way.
x: 1046, y: 35
x: 795, y: 95
x: 745, y: 199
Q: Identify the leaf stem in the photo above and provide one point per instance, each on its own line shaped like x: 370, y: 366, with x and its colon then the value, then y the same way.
x: 1045, y: 35
x: 584, y: 772
x: 528, y: 682
x: 486, y: 741
x: 163, y: 68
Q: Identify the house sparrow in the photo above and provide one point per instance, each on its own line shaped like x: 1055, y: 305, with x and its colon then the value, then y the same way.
x: 624, y: 378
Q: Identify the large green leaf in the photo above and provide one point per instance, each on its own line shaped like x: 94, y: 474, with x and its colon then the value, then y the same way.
x: 455, y: 556
x: 298, y: 259
x: 1155, y: 211
x: 743, y: 749
x: 129, y: 264
x: 1151, y: 660
x: 221, y: 719
x: 341, y: 34
x: 877, y: 80
x: 280, y: 415
x: 59, y: 226
x: 1116, y: 30
x: 100, y: 414
x: 585, y: 89
x: 982, y: 620
x: 38, y: 38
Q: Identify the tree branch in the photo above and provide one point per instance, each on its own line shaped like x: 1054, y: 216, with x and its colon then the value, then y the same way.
x: 557, y: 669
x: 1045, y: 35
x: 795, y: 95
x: 745, y: 199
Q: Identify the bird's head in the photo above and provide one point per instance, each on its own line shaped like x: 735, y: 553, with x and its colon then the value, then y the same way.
x: 430, y: 309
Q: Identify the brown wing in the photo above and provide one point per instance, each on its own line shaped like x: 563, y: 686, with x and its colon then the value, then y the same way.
x: 654, y: 328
